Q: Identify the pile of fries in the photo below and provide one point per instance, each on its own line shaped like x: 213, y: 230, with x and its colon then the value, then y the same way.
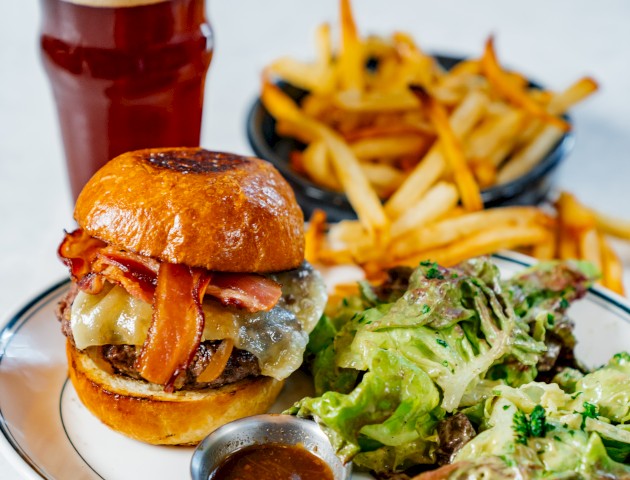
x: 382, y: 121
x: 565, y: 230
x: 360, y: 95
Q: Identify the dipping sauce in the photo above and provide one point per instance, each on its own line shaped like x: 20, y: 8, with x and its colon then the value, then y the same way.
x: 272, y: 461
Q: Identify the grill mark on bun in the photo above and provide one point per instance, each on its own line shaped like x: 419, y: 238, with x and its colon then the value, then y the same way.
x: 199, y: 161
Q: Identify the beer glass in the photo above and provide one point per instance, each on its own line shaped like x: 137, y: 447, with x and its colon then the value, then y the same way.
x: 126, y: 74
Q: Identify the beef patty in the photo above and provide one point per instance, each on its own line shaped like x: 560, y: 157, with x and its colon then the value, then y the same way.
x: 122, y: 358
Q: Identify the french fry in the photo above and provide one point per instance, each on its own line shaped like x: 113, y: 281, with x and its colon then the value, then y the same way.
x: 589, y: 247
x: 314, y: 236
x: 324, y: 45
x: 530, y: 156
x: 360, y: 194
x: 612, y: 270
x: 289, y: 129
x: 484, y: 242
x: 561, y: 102
x: 384, y: 178
x: 450, y: 230
x: 389, y: 130
x: 485, y: 139
x: 426, y: 173
x: 389, y: 147
x: 308, y: 76
x: 318, y: 167
x: 546, y: 250
x: 616, y: 227
x: 567, y: 245
x: 505, y: 85
x: 573, y: 215
x: 558, y: 105
x: 418, y: 68
x: 484, y: 171
x: 357, y: 187
x: 350, y: 64
x: 468, y: 188
x: 353, y: 101
x: 441, y: 198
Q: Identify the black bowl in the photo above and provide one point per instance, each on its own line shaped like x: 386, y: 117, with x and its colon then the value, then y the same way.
x: 529, y: 189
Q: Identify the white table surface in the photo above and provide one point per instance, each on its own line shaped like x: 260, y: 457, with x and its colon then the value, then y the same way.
x: 554, y: 42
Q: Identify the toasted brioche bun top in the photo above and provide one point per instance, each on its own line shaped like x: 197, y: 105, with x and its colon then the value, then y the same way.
x: 214, y: 210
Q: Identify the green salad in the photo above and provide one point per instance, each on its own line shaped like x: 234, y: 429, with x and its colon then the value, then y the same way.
x: 460, y: 371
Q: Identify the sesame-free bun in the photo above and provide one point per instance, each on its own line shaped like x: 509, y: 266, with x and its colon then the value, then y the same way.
x: 214, y: 210
x: 145, y: 412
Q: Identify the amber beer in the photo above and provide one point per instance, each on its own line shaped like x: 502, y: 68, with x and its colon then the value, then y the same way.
x: 126, y: 74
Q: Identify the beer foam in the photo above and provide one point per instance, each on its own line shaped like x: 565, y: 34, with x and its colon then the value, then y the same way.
x: 114, y: 3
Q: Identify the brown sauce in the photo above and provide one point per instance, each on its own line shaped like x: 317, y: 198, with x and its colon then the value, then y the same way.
x: 272, y: 462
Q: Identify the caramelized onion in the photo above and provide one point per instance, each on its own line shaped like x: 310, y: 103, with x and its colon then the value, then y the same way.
x: 218, y: 361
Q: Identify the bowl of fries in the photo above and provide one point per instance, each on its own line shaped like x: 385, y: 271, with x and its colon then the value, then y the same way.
x: 379, y: 121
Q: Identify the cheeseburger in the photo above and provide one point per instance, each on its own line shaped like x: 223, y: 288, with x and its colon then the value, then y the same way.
x: 190, y: 300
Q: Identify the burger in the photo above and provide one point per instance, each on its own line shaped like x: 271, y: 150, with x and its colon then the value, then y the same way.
x: 190, y: 301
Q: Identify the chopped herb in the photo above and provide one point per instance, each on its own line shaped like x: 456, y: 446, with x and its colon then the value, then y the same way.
x: 441, y: 342
x: 425, y: 309
x: 520, y: 427
x: 534, y: 425
x: 505, y: 407
x: 557, y: 438
x: 496, y: 393
x: 427, y: 263
x: 508, y: 461
x: 344, y: 302
x: 454, y: 275
x: 575, y: 395
x: 434, y: 272
x: 564, y: 304
x: 621, y: 356
x: 551, y: 319
x: 538, y: 421
x: 445, y: 363
x: 590, y: 411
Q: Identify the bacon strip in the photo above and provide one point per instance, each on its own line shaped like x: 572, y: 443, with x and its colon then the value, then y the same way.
x: 252, y: 292
x: 177, y: 324
x: 77, y: 251
x: 135, y: 273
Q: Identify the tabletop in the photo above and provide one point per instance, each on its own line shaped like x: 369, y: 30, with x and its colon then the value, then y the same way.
x: 552, y: 42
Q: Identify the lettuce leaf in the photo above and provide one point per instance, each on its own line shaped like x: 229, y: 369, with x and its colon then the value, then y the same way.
x: 395, y: 405
x: 391, y: 363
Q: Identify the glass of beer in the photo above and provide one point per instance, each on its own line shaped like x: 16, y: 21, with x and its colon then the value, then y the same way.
x: 126, y: 74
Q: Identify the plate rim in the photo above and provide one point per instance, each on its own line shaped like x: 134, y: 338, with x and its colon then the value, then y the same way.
x: 26, y: 466
x: 9, y: 447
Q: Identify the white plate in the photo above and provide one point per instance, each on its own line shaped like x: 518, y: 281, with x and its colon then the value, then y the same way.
x: 47, y: 433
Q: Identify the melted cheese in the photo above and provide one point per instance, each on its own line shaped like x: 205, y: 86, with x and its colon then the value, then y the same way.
x: 277, y: 338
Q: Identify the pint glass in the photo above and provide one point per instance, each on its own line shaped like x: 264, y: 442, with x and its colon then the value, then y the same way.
x: 126, y: 74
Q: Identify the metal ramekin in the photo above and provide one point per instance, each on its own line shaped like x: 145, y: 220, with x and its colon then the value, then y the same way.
x: 261, y: 429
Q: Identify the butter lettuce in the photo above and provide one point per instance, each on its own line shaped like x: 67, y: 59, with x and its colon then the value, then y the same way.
x: 391, y: 364
x: 387, y: 421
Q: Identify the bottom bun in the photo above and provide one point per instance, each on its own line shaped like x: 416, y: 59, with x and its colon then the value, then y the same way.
x: 145, y: 412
